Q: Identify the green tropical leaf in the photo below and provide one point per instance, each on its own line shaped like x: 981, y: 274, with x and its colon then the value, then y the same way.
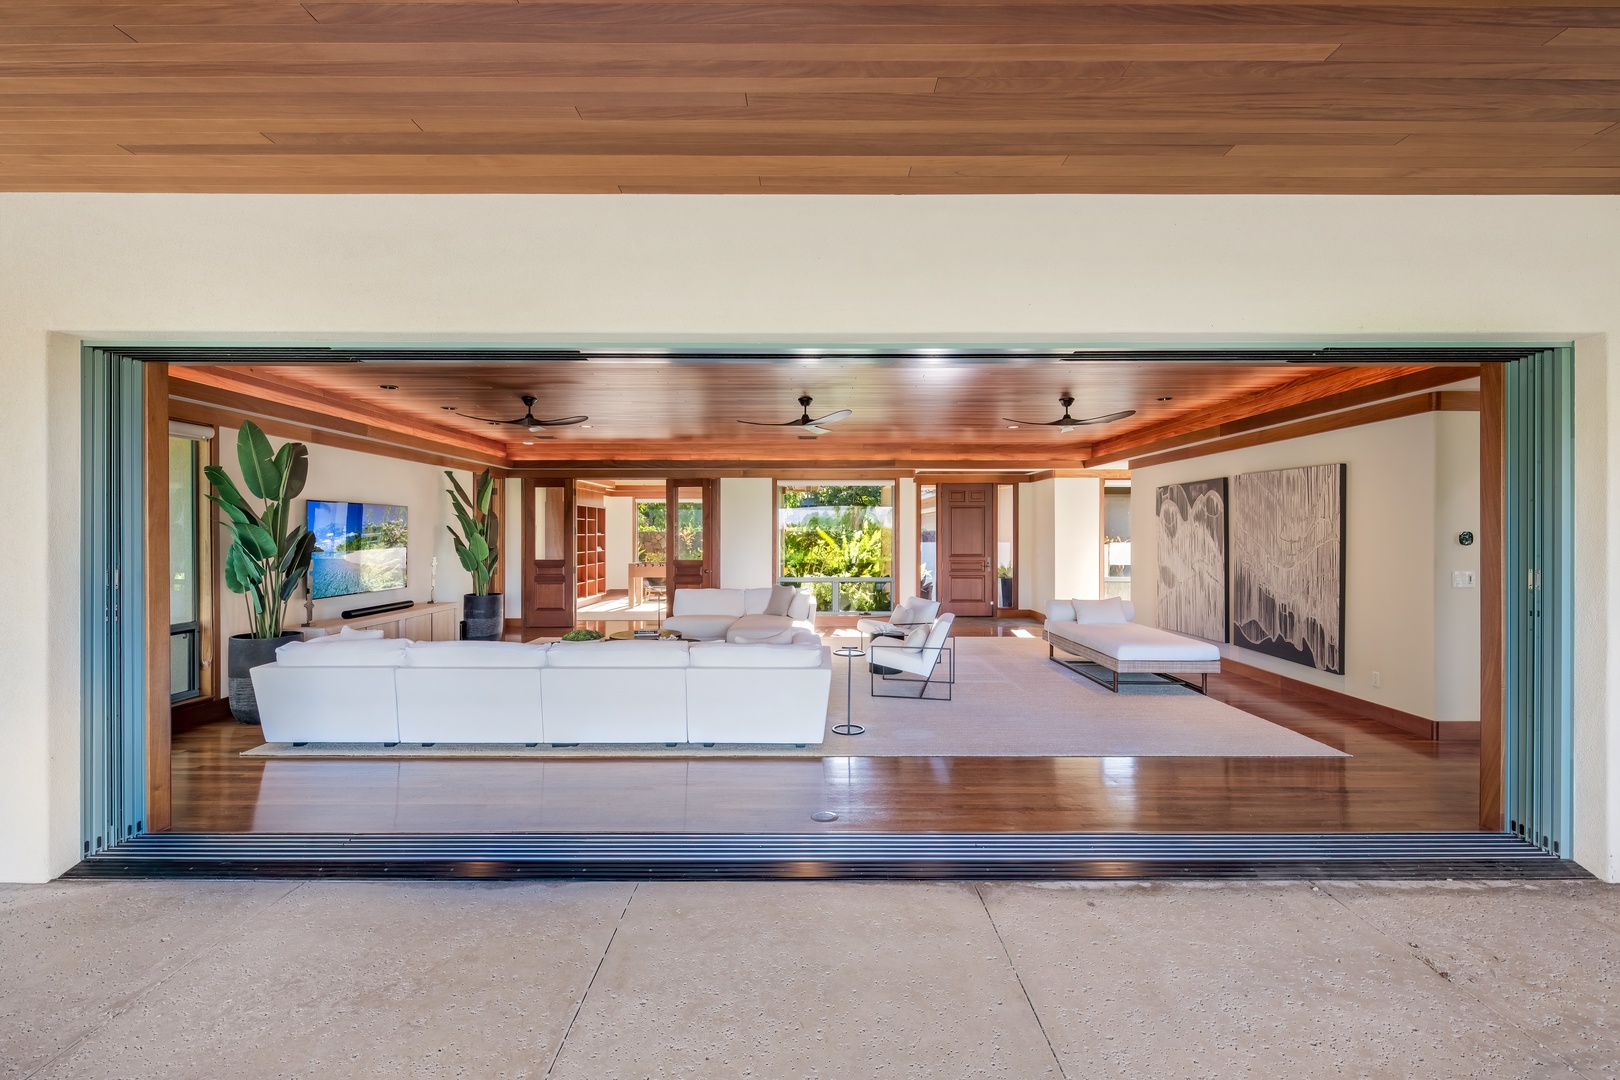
x: 486, y: 491
x: 256, y: 541
x: 459, y: 494
x: 237, y: 515
x: 479, y: 547
x: 492, y: 533
x: 468, y: 563
x: 297, y: 471
x: 227, y: 491
x: 295, y: 562
x: 242, y: 574
x: 257, y: 461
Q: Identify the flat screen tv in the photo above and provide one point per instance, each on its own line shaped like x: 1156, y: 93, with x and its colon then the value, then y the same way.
x: 359, y: 548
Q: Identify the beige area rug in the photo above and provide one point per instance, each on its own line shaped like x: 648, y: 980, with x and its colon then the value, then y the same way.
x: 1010, y: 701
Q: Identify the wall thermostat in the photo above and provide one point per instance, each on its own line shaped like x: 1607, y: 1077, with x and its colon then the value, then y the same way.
x: 1466, y: 539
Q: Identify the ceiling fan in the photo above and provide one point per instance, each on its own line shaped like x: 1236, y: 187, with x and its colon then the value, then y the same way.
x: 804, y: 423
x: 1068, y: 423
x: 528, y: 419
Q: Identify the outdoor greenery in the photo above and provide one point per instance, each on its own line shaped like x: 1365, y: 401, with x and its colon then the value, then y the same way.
x: 478, y: 545
x: 851, y: 534
x: 651, y: 540
x: 269, y: 555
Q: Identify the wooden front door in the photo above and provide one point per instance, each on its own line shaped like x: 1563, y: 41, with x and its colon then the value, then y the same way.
x: 692, y: 537
x: 548, y: 553
x: 967, y: 549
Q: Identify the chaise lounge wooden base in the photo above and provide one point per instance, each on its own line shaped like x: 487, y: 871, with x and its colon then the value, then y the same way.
x: 1170, y: 670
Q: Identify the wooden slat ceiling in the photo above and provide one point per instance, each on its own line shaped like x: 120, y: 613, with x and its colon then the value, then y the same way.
x: 948, y: 96
x: 919, y: 412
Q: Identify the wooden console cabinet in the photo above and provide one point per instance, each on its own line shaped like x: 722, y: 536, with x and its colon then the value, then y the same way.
x: 424, y: 622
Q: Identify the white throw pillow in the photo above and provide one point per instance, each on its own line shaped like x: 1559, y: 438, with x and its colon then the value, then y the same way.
x: 1060, y: 611
x: 755, y: 601
x: 803, y: 606
x: 1100, y: 612
x: 917, y: 635
x: 781, y: 601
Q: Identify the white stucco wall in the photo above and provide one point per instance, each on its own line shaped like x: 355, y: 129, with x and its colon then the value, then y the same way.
x: 338, y: 475
x: 747, y: 520
x: 989, y: 269
x: 1390, y: 554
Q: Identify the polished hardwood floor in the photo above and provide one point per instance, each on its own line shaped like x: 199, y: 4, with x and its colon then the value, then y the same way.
x: 1392, y: 782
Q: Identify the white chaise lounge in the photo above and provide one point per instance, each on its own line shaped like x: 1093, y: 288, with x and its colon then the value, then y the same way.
x: 1100, y: 633
x: 672, y: 692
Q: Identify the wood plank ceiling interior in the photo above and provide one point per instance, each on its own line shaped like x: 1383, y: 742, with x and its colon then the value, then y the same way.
x: 910, y: 414
x: 947, y: 96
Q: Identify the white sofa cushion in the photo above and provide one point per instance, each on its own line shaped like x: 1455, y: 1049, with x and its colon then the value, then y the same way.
x: 759, y: 628
x: 1132, y: 641
x: 1060, y: 611
x: 475, y: 654
x: 700, y: 627
x: 380, y: 652
x: 718, y: 654
x: 709, y: 602
x: 618, y: 654
x: 755, y: 601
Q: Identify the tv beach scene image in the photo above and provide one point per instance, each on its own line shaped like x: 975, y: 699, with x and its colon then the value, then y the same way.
x: 359, y: 548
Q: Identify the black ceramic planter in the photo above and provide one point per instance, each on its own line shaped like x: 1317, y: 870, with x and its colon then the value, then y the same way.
x: 245, y: 653
x: 483, y: 617
x: 1006, y: 592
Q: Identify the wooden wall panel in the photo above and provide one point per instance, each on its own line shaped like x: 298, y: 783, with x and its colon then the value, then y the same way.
x: 155, y: 479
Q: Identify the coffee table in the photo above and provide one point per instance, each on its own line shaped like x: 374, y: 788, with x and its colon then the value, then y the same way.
x: 630, y: 635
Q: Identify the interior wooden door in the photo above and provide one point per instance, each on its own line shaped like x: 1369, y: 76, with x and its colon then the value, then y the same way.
x: 692, y: 536
x: 967, y: 549
x: 548, y: 553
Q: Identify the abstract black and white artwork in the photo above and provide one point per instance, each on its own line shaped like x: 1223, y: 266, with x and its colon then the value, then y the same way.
x: 1192, y: 558
x: 1288, y: 564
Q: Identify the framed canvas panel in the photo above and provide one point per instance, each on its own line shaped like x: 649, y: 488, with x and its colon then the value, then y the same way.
x: 1287, y: 564
x: 1193, y: 558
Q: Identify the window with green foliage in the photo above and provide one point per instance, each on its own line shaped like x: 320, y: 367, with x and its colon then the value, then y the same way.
x: 652, y: 517
x: 839, y: 538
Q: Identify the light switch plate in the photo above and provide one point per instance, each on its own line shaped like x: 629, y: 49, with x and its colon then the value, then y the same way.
x: 1462, y: 579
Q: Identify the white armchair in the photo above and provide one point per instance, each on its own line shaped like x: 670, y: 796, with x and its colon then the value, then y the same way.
x: 908, y: 657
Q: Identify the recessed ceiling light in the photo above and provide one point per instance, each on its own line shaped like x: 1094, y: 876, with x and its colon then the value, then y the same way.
x: 388, y: 386
x: 448, y: 408
x: 586, y: 427
x: 528, y: 442
x: 1167, y: 399
x: 1012, y: 427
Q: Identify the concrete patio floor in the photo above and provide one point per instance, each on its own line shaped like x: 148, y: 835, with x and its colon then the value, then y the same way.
x: 606, y: 981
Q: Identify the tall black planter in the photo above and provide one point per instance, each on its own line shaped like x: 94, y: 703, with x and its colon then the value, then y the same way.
x: 243, y: 654
x: 483, y: 617
x: 1006, y: 592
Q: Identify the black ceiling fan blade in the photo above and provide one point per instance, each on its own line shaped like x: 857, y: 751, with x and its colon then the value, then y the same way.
x: 1039, y: 423
x: 830, y: 418
x: 761, y: 423
x: 1106, y: 418
x: 566, y: 421
x: 487, y: 420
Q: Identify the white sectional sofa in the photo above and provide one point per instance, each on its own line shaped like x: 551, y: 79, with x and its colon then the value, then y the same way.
x: 740, y: 615
x: 672, y: 692
x: 1101, y: 633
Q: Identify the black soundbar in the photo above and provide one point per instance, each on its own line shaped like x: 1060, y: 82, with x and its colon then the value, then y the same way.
x: 362, y: 612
